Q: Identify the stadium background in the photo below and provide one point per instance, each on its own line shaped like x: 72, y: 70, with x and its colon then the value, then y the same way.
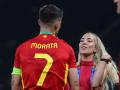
x: 18, y: 22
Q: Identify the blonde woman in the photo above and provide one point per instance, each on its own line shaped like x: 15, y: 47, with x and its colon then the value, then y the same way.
x: 95, y: 65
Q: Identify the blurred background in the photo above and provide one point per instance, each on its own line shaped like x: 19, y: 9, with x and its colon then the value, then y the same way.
x: 18, y: 23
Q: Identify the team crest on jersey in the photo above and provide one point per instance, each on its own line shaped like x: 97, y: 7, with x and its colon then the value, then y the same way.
x: 45, y: 36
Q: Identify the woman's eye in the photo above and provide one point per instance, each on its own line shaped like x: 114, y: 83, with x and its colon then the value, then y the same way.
x: 89, y: 40
x: 81, y: 40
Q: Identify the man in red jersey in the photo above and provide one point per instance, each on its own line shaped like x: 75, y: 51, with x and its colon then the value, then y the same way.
x: 45, y: 62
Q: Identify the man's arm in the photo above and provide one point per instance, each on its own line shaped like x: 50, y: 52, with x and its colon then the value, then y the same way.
x: 16, y: 82
x: 73, y: 78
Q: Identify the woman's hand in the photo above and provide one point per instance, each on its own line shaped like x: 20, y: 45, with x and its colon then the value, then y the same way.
x: 106, y: 57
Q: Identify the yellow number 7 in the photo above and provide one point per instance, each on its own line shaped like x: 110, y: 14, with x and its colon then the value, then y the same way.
x: 47, y: 66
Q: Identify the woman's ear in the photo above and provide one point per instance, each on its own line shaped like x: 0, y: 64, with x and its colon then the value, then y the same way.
x: 94, y: 50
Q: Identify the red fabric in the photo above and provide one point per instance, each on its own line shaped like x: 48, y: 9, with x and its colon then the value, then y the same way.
x: 85, y: 74
x: 32, y: 68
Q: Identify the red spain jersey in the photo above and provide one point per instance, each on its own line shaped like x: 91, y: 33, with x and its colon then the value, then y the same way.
x: 85, y: 74
x: 44, y: 62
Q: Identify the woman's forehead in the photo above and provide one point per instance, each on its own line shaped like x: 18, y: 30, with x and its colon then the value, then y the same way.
x: 89, y: 35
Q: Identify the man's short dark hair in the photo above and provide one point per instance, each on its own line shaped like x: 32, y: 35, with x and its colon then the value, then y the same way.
x: 49, y: 13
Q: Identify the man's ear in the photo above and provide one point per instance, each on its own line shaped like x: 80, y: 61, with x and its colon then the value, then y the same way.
x: 57, y: 25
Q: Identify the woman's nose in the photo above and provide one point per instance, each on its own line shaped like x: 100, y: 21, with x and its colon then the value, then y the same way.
x: 84, y: 42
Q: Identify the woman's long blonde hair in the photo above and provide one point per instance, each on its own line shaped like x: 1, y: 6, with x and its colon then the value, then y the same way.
x: 111, y: 68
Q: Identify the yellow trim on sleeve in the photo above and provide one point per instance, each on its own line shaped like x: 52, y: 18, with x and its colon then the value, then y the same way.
x: 66, y: 74
x: 16, y: 71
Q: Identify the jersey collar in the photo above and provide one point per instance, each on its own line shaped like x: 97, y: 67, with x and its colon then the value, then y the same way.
x: 46, y: 32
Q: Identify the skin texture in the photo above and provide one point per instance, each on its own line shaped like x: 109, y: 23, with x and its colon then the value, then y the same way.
x: 117, y: 6
x: 88, y: 48
x: 73, y: 74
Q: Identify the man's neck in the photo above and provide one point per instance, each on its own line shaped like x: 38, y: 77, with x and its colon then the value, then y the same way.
x: 45, y: 29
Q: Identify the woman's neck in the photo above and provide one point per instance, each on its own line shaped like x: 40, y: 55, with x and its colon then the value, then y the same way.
x: 87, y: 57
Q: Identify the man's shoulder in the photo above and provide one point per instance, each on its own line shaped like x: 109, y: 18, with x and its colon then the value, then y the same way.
x: 66, y: 43
x: 25, y: 43
x: 63, y: 41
